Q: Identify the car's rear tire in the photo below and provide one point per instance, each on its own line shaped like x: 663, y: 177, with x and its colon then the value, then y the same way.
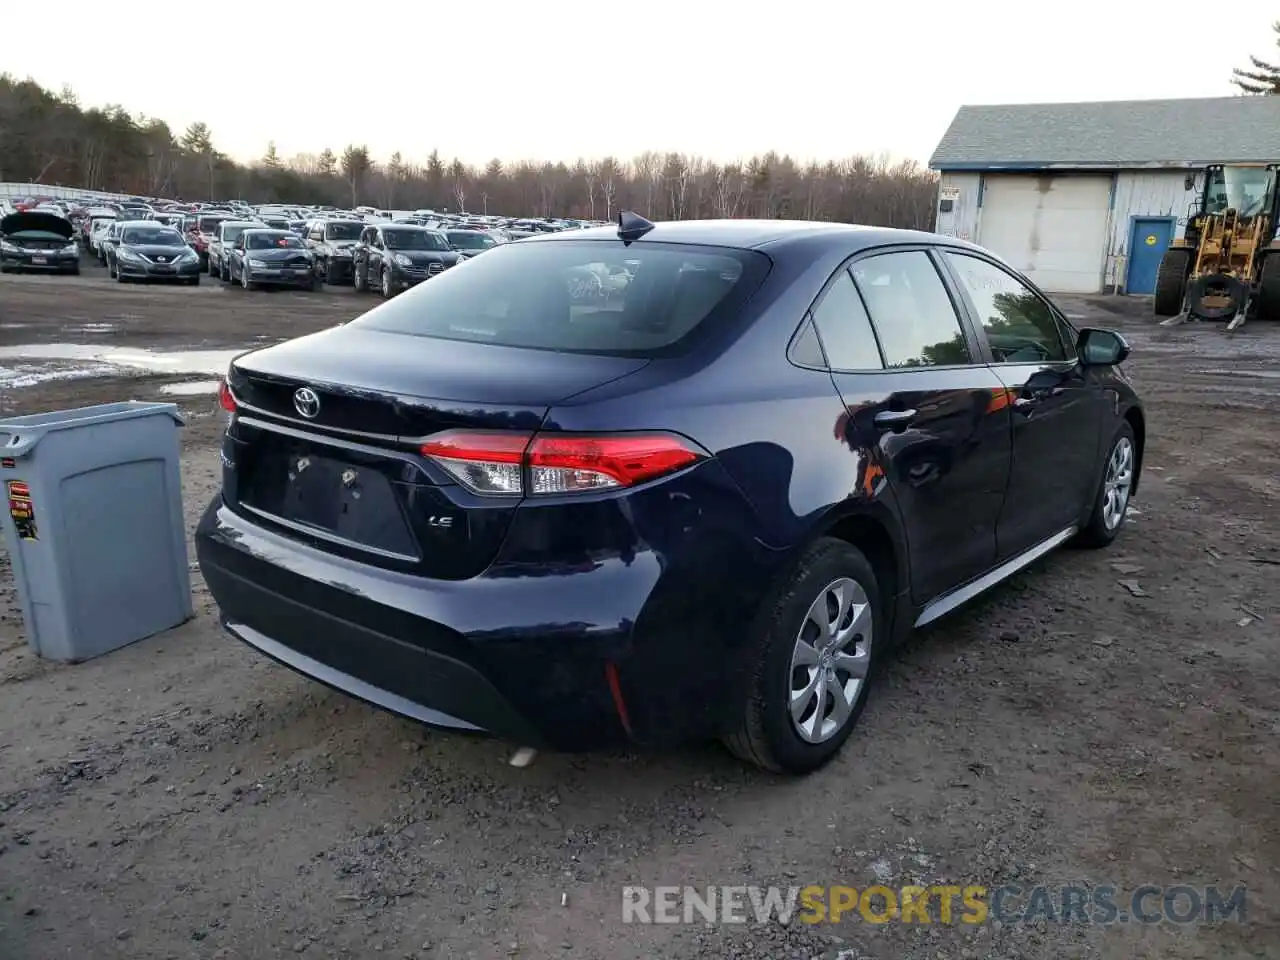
x: 1115, y: 490
x: 1171, y: 283
x: 330, y: 274
x: 814, y: 647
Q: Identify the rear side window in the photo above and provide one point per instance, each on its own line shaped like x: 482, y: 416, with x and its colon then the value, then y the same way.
x: 1019, y: 325
x: 912, y: 313
x: 845, y: 328
x: 596, y: 297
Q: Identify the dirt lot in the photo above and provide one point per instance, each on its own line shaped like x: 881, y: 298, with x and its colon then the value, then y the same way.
x: 185, y: 797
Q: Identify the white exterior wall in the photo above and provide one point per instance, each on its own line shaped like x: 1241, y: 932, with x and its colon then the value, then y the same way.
x: 962, y: 221
x: 1137, y: 193
x: 1151, y: 193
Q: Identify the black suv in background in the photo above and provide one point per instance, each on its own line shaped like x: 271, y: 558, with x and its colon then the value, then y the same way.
x: 332, y: 242
x: 393, y: 257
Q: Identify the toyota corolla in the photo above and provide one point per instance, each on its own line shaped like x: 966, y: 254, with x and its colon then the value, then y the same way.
x: 704, y: 508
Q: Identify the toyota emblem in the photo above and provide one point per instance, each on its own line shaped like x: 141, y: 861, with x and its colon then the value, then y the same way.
x: 306, y: 402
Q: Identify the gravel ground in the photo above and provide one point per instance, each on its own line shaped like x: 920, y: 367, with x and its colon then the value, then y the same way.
x: 1104, y: 717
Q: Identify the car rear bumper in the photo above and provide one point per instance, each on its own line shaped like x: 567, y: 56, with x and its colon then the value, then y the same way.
x: 624, y: 648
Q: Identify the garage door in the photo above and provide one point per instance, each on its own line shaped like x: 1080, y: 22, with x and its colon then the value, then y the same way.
x: 1052, y: 228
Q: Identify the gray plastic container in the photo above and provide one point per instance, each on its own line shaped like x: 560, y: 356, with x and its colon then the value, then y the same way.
x: 94, y: 525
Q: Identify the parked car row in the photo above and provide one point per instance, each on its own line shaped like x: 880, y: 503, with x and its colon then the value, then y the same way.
x: 343, y: 247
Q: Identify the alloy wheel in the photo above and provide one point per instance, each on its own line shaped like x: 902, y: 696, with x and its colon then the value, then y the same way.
x: 1118, y: 483
x: 830, y: 660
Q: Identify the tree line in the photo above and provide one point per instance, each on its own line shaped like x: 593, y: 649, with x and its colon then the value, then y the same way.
x: 48, y: 137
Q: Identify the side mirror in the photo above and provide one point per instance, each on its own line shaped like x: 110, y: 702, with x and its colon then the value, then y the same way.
x: 1098, y: 348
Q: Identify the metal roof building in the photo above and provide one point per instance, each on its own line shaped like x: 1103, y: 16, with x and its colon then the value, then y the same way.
x: 1087, y: 196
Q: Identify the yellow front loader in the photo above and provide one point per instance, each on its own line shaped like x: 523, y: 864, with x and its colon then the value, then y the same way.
x: 1227, y: 265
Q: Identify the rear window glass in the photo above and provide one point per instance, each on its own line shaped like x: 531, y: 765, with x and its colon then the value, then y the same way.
x: 209, y: 224
x: 595, y: 297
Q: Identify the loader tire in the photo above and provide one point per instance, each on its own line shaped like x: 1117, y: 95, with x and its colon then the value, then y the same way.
x: 1268, y: 302
x: 1171, y: 282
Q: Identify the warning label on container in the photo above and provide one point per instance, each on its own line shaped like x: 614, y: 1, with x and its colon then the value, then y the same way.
x: 22, y: 510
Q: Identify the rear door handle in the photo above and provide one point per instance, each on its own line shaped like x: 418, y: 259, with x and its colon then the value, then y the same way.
x: 894, y: 419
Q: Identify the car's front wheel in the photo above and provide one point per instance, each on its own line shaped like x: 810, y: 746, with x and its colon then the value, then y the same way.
x: 1111, y: 502
x: 813, y: 655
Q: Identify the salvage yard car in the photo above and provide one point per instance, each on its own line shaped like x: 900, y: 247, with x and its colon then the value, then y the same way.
x: 707, y: 508
x: 274, y: 258
x: 218, y: 253
x: 153, y: 251
x: 38, y: 241
x: 333, y: 242
x: 391, y: 257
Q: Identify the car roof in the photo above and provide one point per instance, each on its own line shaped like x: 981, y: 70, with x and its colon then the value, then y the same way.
x: 754, y: 234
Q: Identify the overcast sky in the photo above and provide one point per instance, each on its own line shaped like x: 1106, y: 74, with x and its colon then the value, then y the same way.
x: 559, y: 79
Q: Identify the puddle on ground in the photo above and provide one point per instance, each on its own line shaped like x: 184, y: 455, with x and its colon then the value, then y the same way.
x: 92, y: 328
x: 192, y: 388
x: 1260, y: 374
x: 111, y: 360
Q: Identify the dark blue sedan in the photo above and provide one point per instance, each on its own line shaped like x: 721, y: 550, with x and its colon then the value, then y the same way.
x: 705, y: 506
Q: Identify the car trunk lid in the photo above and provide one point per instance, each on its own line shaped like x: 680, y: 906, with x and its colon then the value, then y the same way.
x: 325, y: 444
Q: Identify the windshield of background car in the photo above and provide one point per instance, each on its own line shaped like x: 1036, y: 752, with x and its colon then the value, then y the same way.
x: 209, y: 224
x: 414, y: 240
x: 232, y: 234
x: 152, y: 236
x: 471, y: 239
x: 563, y: 296
x: 272, y: 241
x: 343, y: 231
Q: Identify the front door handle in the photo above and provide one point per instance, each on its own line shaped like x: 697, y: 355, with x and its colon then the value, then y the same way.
x: 1025, y: 405
x: 894, y: 419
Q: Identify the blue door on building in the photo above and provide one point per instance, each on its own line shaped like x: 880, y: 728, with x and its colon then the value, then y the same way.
x: 1149, y: 238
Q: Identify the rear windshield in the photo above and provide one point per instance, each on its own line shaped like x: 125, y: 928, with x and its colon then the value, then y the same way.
x: 209, y: 224
x: 596, y: 297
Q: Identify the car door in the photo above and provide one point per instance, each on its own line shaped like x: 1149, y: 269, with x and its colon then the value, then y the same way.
x: 376, y: 256
x: 918, y: 397
x: 1057, y: 408
x: 360, y: 256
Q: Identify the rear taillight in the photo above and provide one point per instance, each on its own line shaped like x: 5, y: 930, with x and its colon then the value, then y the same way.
x: 225, y: 398
x: 518, y: 464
